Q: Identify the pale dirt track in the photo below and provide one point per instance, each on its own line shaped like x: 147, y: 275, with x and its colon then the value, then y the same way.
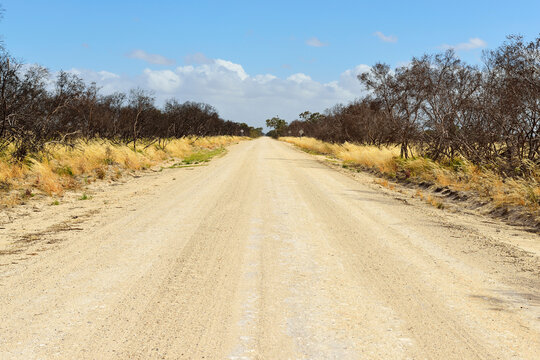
x: 266, y: 254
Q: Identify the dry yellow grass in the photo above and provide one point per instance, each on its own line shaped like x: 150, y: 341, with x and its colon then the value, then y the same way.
x: 368, y: 156
x: 314, y: 145
x: 459, y: 175
x: 59, y: 168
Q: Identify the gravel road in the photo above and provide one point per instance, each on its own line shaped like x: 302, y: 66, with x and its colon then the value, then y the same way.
x: 266, y: 253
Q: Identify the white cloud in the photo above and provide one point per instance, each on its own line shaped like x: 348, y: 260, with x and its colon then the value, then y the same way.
x: 385, y: 38
x: 94, y: 76
x: 349, y: 78
x: 263, y: 79
x: 299, y: 78
x: 108, y: 82
x: 164, y: 81
x: 150, y: 58
x: 315, y: 42
x: 237, y: 95
x: 105, y: 75
x: 473, y: 43
x: 235, y: 68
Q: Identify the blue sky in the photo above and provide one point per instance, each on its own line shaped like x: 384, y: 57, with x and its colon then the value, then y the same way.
x: 251, y: 59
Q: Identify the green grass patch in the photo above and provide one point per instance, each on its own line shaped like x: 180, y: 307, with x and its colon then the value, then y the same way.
x: 199, y: 158
x: 202, y: 156
x: 85, y: 197
x: 64, y: 170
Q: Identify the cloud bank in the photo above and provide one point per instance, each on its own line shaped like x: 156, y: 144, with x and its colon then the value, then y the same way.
x: 237, y: 95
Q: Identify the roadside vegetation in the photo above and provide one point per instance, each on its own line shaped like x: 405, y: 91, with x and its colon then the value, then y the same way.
x: 38, y: 110
x: 457, y: 175
x: 58, y: 168
x: 442, y: 121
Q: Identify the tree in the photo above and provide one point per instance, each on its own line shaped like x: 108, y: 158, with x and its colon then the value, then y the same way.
x: 399, y: 99
x: 140, y: 103
x: 512, y: 100
x: 310, y: 117
x: 255, y: 132
x: 279, y: 125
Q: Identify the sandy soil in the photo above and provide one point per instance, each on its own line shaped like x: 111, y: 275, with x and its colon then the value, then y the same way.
x: 266, y: 253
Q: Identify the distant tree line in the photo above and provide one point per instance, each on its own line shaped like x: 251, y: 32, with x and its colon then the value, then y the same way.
x: 36, y: 110
x: 439, y: 106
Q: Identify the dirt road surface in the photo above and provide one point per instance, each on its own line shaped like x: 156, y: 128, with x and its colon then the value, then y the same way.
x: 264, y: 254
